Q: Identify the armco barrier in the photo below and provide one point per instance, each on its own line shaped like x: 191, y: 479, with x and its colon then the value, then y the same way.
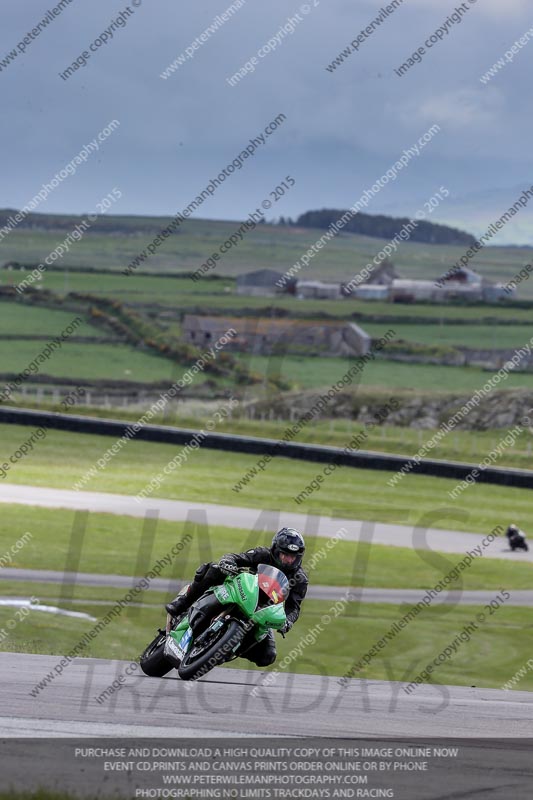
x: 361, y: 459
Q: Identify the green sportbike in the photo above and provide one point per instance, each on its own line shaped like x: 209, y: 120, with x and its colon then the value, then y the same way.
x: 221, y: 625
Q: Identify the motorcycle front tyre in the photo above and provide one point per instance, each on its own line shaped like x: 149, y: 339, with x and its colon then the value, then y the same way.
x: 194, y: 665
x: 153, y: 662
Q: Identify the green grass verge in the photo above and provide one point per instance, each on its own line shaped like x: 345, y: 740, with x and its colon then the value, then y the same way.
x: 496, y: 651
x: 351, y: 493
x: 493, y: 655
x: 307, y: 372
x: 115, y: 545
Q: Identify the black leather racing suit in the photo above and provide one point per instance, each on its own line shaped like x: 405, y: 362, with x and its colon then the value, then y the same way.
x: 264, y: 652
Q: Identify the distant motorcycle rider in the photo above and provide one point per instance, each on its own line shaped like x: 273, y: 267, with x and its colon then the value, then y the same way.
x: 285, y: 553
x: 517, y: 538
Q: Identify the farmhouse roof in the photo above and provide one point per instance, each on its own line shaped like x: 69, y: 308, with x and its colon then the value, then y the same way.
x: 260, y: 277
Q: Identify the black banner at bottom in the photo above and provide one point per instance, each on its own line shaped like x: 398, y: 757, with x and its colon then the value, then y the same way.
x: 251, y: 767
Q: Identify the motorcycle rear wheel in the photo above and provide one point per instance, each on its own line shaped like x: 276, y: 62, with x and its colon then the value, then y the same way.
x: 199, y: 660
x: 153, y: 662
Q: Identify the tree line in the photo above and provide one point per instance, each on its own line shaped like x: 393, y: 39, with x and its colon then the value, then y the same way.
x: 384, y: 227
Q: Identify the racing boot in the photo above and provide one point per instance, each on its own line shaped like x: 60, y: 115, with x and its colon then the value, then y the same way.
x: 180, y: 604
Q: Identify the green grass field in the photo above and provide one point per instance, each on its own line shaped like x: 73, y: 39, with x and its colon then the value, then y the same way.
x: 38, y: 321
x: 92, y: 362
x: 306, y: 372
x: 267, y: 246
x: 482, y: 337
x: 219, y: 296
x: 112, y: 544
x: 121, y: 361
x: 102, y: 361
x: 354, y: 493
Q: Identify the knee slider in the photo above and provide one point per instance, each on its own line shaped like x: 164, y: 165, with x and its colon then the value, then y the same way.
x: 266, y: 660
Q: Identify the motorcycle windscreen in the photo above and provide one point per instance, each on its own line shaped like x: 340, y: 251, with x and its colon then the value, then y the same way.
x: 273, y: 583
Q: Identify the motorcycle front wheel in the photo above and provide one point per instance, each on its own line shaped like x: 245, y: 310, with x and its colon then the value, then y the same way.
x: 153, y: 662
x: 211, y: 649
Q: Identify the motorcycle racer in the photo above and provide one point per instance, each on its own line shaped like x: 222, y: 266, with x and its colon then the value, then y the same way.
x: 285, y: 553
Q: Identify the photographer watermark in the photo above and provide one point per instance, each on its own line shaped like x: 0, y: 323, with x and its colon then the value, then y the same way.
x: 74, y: 236
x: 37, y: 435
x: 30, y: 37
x: 193, y: 444
x: 101, y: 40
x: 446, y: 427
x: 315, y: 411
x: 138, y: 588
x: 508, y: 56
x: 34, y: 366
x: 493, y: 229
x: 365, y: 34
x: 508, y: 441
x: 6, y: 559
x: 465, y: 635
x: 275, y: 41
x: 204, y: 37
x: 403, y: 235
x: 523, y: 275
x: 389, y: 176
x: 237, y: 164
x: 353, y: 445
x: 425, y: 601
x: 235, y: 239
x: 517, y: 677
x: 68, y: 170
x: 132, y: 430
x: 432, y: 41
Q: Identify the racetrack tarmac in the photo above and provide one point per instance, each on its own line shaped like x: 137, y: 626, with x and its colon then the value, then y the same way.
x: 224, y: 703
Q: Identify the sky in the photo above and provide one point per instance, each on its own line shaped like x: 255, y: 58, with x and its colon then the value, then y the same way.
x: 343, y: 128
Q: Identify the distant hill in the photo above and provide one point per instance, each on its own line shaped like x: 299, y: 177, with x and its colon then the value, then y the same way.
x: 382, y: 227
x: 105, y: 223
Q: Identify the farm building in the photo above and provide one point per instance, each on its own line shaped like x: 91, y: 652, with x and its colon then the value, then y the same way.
x: 406, y: 290
x: 465, y: 282
x: 460, y: 284
x: 383, y: 275
x: 370, y: 277
x: 318, y: 290
x: 460, y: 277
x: 266, y: 336
x: 261, y: 283
x: 369, y: 291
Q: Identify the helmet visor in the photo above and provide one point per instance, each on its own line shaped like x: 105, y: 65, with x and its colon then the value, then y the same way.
x: 288, y: 559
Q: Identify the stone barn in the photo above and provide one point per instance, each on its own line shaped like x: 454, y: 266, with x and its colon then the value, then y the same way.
x: 269, y: 336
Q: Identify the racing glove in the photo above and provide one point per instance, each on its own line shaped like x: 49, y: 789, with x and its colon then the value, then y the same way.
x: 286, y: 628
x: 228, y: 565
